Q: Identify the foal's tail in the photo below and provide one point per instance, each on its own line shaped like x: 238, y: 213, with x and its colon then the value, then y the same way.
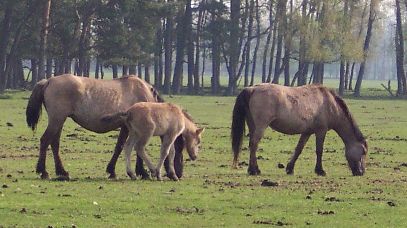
x: 240, y: 113
x: 33, y: 110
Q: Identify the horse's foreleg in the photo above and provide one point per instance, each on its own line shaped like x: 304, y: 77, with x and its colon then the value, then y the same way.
x: 124, y: 132
x: 128, y: 147
x: 298, y: 149
x: 59, y: 168
x: 320, y: 138
x: 179, y: 157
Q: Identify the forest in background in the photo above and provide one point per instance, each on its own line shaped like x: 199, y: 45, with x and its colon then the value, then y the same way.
x: 174, y: 44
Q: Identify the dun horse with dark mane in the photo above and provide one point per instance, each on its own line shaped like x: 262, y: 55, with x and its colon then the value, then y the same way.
x: 304, y: 110
x: 86, y: 100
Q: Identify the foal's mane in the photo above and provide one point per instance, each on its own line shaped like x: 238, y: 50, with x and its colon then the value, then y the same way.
x: 189, y: 117
x: 360, y: 137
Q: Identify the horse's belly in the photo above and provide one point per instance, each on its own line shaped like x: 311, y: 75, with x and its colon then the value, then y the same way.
x: 290, y: 127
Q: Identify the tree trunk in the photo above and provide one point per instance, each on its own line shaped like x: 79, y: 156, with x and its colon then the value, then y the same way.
x: 168, y: 54
x: 399, y: 44
x: 114, y: 71
x: 281, y: 8
x: 248, y: 42
x: 267, y: 45
x: 43, y: 38
x: 271, y: 60
x: 139, y: 70
x: 256, y: 48
x: 34, y: 71
x: 181, y: 31
x: 49, y: 67
x: 97, y: 68
x: 4, y: 40
x: 158, y: 62
x: 234, y: 45
x: 372, y: 17
x: 147, y: 73
x: 189, y: 46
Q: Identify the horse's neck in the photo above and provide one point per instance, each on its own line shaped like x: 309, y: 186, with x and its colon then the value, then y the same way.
x: 345, y: 130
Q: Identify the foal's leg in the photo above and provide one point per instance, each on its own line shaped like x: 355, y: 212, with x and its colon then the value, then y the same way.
x: 165, y: 150
x: 170, y: 158
x: 178, y: 158
x: 59, y: 168
x: 128, y: 147
x: 53, y: 129
x: 255, y: 138
x: 320, y: 138
x: 298, y: 149
x: 140, y: 148
x: 124, y: 132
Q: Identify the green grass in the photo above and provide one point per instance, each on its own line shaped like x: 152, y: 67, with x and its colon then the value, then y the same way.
x: 210, y: 194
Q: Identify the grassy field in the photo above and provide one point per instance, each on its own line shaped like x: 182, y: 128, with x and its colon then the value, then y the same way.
x: 211, y: 193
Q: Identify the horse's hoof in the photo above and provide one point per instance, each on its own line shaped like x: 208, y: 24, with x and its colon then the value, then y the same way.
x: 112, y: 176
x: 253, y: 171
x: 44, y: 176
x: 289, y: 171
x: 62, y: 178
x: 320, y: 172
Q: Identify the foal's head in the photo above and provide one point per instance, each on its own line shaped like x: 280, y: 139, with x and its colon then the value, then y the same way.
x: 192, y: 137
x: 356, y: 156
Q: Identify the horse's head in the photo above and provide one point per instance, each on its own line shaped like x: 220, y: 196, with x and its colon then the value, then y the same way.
x: 192, y: 142
x: 356, y: 156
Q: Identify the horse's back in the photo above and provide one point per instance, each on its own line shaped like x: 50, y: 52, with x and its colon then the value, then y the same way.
x: 292, y: 110
x: 86, y: 100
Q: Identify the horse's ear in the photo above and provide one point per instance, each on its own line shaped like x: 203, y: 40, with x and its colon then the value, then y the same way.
x: 200, y: 130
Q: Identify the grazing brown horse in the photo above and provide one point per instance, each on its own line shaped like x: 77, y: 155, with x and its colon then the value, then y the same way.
x: 145, y: 120
x: 305, y: 110
x: 86, y: 100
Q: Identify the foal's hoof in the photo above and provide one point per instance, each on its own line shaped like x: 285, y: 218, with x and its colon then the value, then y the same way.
x: 253, y: 171
x: 320, y: 172
x: 62, y: 178
x: 132, y: 176
x: 173, y: 177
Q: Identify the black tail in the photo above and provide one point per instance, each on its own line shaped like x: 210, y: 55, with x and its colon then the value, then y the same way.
x: 240, y: 112
x: 34, y: 106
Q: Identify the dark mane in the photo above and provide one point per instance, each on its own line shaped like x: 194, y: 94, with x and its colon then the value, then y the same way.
x: 345, y: 109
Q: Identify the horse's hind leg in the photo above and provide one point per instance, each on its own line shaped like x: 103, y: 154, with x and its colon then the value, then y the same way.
x: 59, y: 168
x: 50, y: 136
x: 124, y: 132
x: 320, y: 138
x: 255, y: 138
x: 298, y: 149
